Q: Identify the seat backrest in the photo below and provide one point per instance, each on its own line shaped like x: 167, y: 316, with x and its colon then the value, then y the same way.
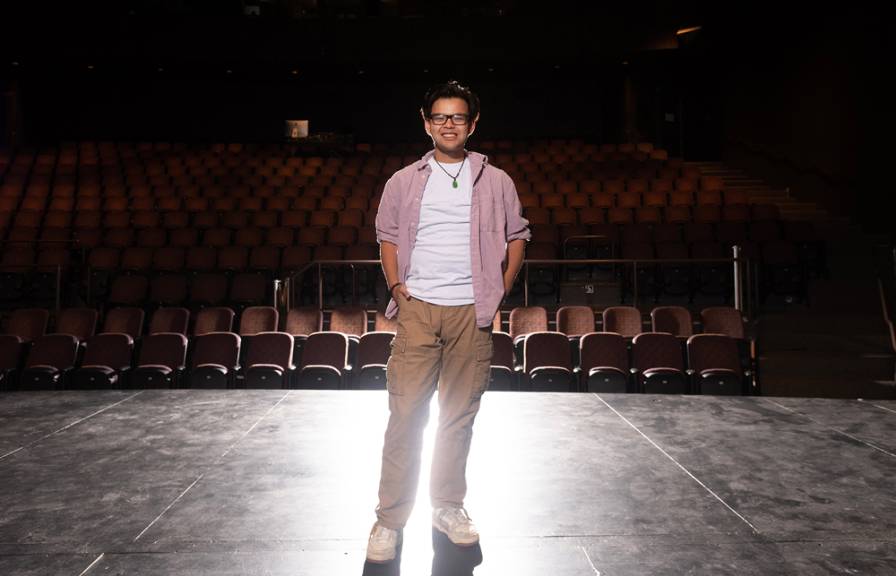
x: 213, y: 319
x: 350, y: 320
x: 526, y: 319
x: 128, y: 289
x: 575, y: 320
x: 625, y: 320
x: 209, y: 287
x: 79, y: 322
x: 546, y: 349
x: 28, y: 323
x: 166, y: 348
x: 255, y: 319
x: 502, y: 350
x: 374, y: 348
x: 216, y: 348
x: 170, y: 320
x: 603, y: 349
x: 125, y: 320
x: 326, y: 348
x: 675, y: 320
x: 383, y: 324
x: 112, y: 350
x: 271, y: 348
x: 711, y: 351
x: 655, y: 350
x: 723, y: 320
x: 249, y: 287
x: 57, y: 350
x: 305, y: 320
x: 10, y: 350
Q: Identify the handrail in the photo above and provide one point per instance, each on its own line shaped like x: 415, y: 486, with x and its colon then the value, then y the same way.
x: 889, y: 273
x: 886, y: 311
x: 736, y: 261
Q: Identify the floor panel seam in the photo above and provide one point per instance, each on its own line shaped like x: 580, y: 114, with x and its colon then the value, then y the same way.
x: 883, y: 407
x: 216, y: 460
x: 838, y: 431
x: 92, y: 564
x: 588, y: 558
x: 686, y: 471
x: 66, y: 427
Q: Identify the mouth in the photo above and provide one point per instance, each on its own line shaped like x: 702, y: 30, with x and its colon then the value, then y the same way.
x: 449, y: 135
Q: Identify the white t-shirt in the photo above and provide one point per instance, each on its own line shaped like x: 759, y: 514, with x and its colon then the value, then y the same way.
x: 440, y: 269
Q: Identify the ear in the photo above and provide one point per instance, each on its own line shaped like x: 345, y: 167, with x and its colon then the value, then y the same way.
x: 473, y: 125
x: 425, y: 122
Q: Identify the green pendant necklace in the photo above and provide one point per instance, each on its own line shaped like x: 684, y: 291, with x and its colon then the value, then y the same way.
x: 453, y: 178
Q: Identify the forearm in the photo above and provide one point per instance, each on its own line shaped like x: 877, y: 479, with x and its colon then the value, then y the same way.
x: 516, y: 249
x: 389, y: 259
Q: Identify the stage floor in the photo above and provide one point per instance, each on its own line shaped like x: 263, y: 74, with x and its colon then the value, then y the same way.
x: 206, y: 482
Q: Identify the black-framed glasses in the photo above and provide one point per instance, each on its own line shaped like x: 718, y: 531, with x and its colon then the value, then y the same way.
x: 456, y: 119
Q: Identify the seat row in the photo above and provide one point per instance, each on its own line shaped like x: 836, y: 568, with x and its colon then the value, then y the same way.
x: 213, y: 356
x: 175, y: 352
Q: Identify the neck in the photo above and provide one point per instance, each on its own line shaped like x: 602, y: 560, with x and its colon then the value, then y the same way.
x: 441, y: 156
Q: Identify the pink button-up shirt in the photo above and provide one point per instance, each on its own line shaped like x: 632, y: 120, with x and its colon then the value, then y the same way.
x: 495, y: 219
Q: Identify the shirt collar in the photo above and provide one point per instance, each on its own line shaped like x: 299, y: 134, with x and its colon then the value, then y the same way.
x: 477, y: 161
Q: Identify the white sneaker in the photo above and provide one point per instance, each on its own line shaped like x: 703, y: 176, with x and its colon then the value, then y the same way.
x: 456, y: 524
x: 382, y: 544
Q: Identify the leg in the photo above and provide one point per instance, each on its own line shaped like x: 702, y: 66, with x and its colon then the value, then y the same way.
x: 466, y: 359
x: 411, y: 376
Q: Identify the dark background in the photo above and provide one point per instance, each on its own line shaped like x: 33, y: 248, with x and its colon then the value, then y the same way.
x: 793, y: 93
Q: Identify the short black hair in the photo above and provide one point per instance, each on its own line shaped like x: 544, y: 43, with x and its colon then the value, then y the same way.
x: 451, y: 89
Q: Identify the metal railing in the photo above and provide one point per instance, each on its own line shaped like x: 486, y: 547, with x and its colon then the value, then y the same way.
x: 886, y: 284
x: 745, y: 275
x: 58, y: 268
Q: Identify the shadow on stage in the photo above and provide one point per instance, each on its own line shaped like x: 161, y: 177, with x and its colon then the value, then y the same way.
x: 448, y: 559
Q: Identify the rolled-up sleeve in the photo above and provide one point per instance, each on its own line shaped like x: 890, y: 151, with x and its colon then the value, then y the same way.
x: 387, y: 214
x: 517, y: 227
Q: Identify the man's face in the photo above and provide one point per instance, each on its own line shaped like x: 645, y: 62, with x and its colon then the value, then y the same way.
x: 448, y: 136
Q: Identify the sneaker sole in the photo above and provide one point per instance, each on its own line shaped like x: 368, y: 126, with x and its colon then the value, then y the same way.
x: 464, y: 543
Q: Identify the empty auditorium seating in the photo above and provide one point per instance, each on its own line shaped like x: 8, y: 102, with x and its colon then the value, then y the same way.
x: 604, y: 363
x: 170, y: 320
x: 325, y: 359
x: 214, y: 360
x: 125, y: 320
x: 213, y: 319
x: 50, y: 359
x: 675, y: 320
x: 268, y: 362
x: 369, y: 370
x: 162, y: 360
x: 624, y: 320
x: 547, y: 363
x: 28, y: 324
x: 106, y: 362
x: 716, y: 366
x: 11, y: 348
x: 79, y: 322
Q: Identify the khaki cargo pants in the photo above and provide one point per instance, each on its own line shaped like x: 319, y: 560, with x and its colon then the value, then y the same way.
x: 433, y: 346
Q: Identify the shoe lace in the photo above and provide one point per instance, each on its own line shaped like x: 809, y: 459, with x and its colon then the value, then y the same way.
x: 381, y: 534
x: 457, y: 516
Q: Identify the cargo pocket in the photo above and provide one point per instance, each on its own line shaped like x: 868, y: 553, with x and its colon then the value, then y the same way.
x: 395, y: 363
x: 482, y: 370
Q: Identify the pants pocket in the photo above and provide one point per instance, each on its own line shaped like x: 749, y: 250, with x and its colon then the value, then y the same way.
x: 483, y: 364
x: 395, y: 363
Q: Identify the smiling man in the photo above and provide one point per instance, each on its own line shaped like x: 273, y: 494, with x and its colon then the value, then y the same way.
x: 452, y: 240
